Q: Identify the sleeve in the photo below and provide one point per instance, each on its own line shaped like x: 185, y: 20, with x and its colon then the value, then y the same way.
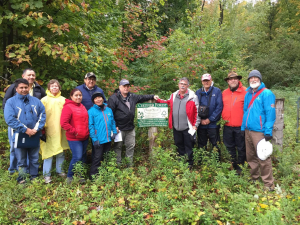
x: 165, y: 101
x: 243, y: 127
x: 41, y: 117
x: 197, y: 119
x: 144, y: 98
x: 65, y: 118
x: 12, y: 120
x: 43, y: 93
x: 215, y: 116
x: 10, y: 92
x: 114, y: 129
x: 92, y: 127
x: 269, y: 107
x: 111, y: 104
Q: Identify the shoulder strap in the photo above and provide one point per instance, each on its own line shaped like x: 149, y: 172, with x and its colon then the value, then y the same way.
x: 255, y: 96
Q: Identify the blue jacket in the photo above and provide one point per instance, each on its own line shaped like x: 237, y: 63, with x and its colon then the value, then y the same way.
x: 101, y: 123
x: 261, y: 115
x: 215, y: 107
x: 87, y: 95
x: 24, y: 111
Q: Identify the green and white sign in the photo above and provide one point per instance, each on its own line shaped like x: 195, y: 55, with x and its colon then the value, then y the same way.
x: 152, y: 114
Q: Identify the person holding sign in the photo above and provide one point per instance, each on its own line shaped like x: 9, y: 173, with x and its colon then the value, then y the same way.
x: 258, y: 121
x: 26, y: 116
x: 183, y: 118
x: 123, y: 105
x: 101, y: 125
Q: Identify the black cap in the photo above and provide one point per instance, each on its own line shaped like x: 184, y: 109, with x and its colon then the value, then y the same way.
x: 97, y: 94
x: 89, y: 74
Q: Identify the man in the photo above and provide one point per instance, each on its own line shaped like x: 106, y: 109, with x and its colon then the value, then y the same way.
x: 183, y: 118
x: 25, y: 114
x: 123, y: 105
x: 210, y: 98
x: 233, y: 110
x: 88, y: 89
x: 258, y: 121
x: 34, y: 90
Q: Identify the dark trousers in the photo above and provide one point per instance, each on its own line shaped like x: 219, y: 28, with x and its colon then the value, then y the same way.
x: 184, y: 143
x: 99, y: 156
x: 211, y: 134
x: 235, y: 143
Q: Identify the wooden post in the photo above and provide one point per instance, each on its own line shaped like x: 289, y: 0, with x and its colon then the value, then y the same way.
x: 279, y: 123
x: 151, y: 134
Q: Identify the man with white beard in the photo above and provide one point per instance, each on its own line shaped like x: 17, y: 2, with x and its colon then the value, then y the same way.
x: 258, y: 120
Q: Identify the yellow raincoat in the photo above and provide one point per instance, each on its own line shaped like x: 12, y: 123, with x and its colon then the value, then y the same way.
x: 56, y: 140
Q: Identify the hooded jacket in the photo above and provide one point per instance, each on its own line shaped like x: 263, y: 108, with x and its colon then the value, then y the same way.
x: 261, y: 115
x: 233, y: 106
x: 38, y: 92
x: 191, y: 109
x: 124, y: 116
x: 75, y: 120
x: 101, y: 124
x: 56, y: 140
x: 24, y: 111
x: 215, y: 107
x: 87, y: 95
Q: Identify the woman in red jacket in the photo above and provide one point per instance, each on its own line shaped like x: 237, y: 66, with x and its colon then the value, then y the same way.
x: 75, y: 120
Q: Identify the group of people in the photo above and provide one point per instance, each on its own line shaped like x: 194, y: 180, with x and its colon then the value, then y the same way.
x: 69, y: 123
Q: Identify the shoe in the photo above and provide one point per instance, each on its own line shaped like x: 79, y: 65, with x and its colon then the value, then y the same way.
x: 47, y: 180
x: 62, y: 175
x: 270, y: 188
x: 69, y: 180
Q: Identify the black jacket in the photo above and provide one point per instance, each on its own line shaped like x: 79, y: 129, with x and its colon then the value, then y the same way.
x: 38, y: 92
x: 124, y: 116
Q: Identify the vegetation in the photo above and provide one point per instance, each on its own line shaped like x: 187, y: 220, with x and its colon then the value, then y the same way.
x: 153, y: 43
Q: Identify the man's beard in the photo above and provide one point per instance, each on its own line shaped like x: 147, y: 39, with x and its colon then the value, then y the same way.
x: 233, y: 88
x: 255, y: 85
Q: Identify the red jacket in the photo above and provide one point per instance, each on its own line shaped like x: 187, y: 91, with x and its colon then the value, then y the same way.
x: 75, y: 120
x: 233, y: 103
x: 191, y: 108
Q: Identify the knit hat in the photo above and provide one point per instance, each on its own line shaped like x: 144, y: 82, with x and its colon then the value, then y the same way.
x: 97, y: 94
x: 255, y: 73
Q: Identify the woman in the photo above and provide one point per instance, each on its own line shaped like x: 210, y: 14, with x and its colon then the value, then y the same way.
x: 101, y: 124
x: 56, y: 141
x: 74, y: 119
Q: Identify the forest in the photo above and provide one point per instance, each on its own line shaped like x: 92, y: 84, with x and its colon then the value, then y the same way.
x: 154, y: 43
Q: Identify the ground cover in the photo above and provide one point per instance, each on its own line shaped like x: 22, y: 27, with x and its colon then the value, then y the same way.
x: 160, y: 189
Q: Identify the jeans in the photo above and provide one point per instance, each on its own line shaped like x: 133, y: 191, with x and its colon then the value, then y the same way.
x: 184, y: 143
x: 78, y: 149
x: 47, y: 166
x: 33, y: 156
x: 128, y: 137
x: 98, y: 157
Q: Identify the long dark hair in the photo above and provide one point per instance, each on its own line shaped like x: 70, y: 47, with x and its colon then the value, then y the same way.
x: 73, y: 91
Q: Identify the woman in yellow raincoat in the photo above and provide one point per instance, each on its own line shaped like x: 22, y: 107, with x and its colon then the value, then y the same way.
x: 56, y: 141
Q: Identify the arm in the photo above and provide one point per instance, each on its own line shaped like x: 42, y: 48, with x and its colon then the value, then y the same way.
x: 114, y: 129
x: 43, y: 93
x: 42, y: 118
x: 92, y: 127
x: 243, y: 127
x: 215, y: 116
x: 11, y: 118
x: 65, y: 118
x: 269, y: 106
x: 10, y: 92
x: 165, y: 101
x: 144, y: 98
x: 197, y: 118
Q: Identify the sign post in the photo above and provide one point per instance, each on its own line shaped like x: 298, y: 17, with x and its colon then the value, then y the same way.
x: 152, y: 115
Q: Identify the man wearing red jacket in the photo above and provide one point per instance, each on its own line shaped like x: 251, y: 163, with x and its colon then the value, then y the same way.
x: 183, y: 118
x: 233, y: 103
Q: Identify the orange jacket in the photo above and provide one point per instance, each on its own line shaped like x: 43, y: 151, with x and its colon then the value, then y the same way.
x: 233, y: 103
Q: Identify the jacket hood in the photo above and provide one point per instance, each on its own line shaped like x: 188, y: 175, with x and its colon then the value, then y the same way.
x: 191, y: 93
x: 250, y: 89
x: 22, y: 96
x: 49, y: 94
x: 98, y: 107
x: 209, y: 90
x: 71, y: 102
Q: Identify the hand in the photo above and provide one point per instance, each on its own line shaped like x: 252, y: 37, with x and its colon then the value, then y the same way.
x: 194, y: 127
x: 96, y: 144
x: 30, y: 132
x: 205, y: 122
x: 268, y: 137
x: 118, y: 131
x: 243, y: 133
x: 156, y: 97
x: 33, y: 131
x: 113, y: 136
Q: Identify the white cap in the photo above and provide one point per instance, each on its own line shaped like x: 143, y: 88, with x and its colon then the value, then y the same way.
x: 264, y: 149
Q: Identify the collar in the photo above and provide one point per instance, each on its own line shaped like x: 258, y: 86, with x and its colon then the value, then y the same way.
x: 84, y: 85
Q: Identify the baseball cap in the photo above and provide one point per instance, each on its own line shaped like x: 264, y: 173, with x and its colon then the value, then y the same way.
x: 89, y: 74
x: 206, y: 76
x: 124, y: 82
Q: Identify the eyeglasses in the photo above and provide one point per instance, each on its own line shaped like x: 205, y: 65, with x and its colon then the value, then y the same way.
x: 183, y: 84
